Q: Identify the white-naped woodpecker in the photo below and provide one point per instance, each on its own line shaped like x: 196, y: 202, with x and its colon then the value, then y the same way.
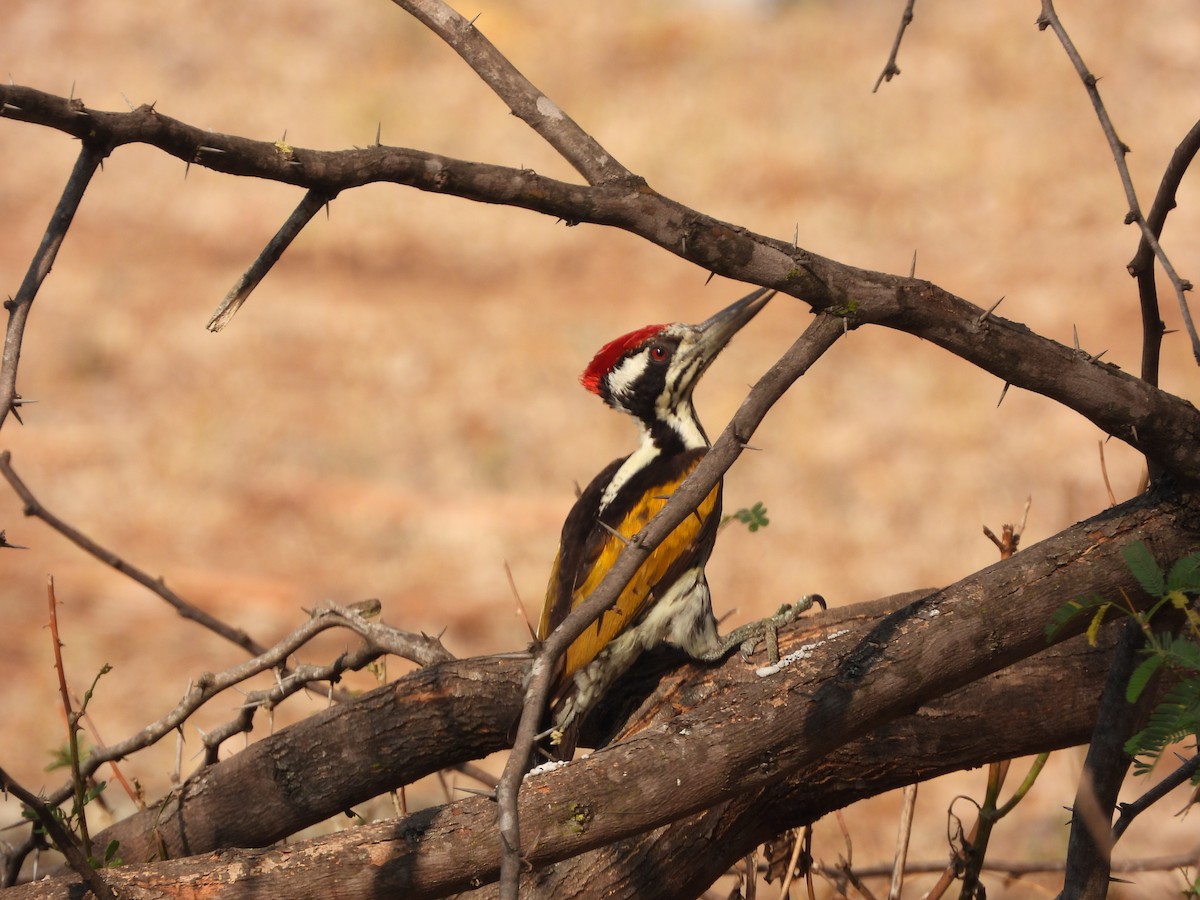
x: 649, y: 374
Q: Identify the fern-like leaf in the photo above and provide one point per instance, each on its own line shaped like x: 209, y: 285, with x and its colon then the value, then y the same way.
x: 1185, y: 575
x: 1145, y: 569
x: 1070, y: 610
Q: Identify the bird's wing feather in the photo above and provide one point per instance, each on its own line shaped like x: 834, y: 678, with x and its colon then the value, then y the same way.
x: 586, y: 556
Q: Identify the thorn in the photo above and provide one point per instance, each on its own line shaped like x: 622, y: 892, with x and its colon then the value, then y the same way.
x: 746, y: 446
x: 491, y: 795
x: 378, y: 134
x: 796, y: 236
x: 7, y: 106
x: 1004, y: 391
x: 709, y: 278
x: 912, y: 269
x: 1075, y: 332
x: 987, y: 312
x: 127, y: 101
x: 620, y: 537
x: 4, y: 543
x: 474, y: 20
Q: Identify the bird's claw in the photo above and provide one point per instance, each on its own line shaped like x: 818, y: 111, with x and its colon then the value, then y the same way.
x: 767, y: 630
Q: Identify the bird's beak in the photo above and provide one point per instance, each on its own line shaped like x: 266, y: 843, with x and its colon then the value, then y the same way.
x: 714, y: 333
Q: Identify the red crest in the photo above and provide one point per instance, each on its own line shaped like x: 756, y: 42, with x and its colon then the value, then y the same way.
x: 608, y: 355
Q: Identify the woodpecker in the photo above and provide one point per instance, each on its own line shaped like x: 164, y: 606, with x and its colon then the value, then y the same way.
x: 648, y: 374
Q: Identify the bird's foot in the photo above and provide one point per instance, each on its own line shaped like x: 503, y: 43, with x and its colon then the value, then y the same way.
x: 767, y: 630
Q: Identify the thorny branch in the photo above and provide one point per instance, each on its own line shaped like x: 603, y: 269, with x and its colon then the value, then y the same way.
x: 33, y: 507
x: 1141, y: 266
x: 61, y: 835
x: 1156, y: 423
x: 91, y: 154
x: 1049, y: 19
x: 418, y: 648
x: 534, y: 108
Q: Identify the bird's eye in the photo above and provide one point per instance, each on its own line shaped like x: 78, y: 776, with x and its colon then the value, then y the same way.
x: 659, y: 353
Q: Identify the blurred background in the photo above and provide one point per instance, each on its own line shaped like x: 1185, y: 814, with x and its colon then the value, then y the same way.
x: 395, y: 411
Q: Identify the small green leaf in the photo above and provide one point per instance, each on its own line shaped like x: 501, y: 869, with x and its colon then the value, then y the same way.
x: 1145, y: 569
x: 1141, y: 676
x: 1094, y: 626
x: 1070, y: 610
x: 1185, y: 575
x: 754, y: 518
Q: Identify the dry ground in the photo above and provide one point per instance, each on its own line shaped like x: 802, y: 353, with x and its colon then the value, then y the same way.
x: 394, y: 413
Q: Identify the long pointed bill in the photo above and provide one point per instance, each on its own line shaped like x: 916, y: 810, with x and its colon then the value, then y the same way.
x: 715, y: 332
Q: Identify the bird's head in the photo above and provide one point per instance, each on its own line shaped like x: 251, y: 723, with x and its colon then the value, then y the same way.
x: 650, y: 373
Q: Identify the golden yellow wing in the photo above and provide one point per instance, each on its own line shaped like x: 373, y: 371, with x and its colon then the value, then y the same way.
x: 592, y: 552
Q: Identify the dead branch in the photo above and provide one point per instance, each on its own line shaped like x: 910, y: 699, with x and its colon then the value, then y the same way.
x: 1049, y: 19
x: 1160, y: 425
x: 91, y: 154
x: 33, y: 507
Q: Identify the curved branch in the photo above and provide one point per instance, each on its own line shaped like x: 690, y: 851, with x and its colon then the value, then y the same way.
x: 1163, y: 427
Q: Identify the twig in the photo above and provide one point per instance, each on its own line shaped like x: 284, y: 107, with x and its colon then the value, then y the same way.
x: 1049, y: 19
x: 1016, y: 868
x: 34, y: 508
x: 816, y: 339
x: 301, y: 216
x: 890, y: 69
x: 541, y: 114
x: 77, y: 779
x: 902, y: 838
x: 91, y: 154
x: 1130, y: 811
x: 417, y: 647
x: 1141, y: 266
x: 798, y: 844
x: 66, y: 842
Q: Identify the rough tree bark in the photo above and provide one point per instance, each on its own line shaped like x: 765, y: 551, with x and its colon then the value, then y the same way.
x: 870, y: 677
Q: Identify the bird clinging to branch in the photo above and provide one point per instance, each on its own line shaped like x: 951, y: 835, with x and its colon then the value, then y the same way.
x: 649, y: 374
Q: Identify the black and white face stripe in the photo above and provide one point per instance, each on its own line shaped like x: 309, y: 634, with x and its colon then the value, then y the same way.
x: 653, y: 383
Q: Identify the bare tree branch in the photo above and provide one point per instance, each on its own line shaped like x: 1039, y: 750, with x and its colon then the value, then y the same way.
x: 419, y: 648
x: 91, y: 154
x: 301, y: 216
x: 1141, y: 266
x: 533, y: 107
x: 1158, y: 424
x: 890, y: 69
x: 1090, y: 848
x: 1049, y: 19
x: 33, y: 507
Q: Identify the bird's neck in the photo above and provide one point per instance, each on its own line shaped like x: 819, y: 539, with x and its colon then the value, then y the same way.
x: 662, y: 438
